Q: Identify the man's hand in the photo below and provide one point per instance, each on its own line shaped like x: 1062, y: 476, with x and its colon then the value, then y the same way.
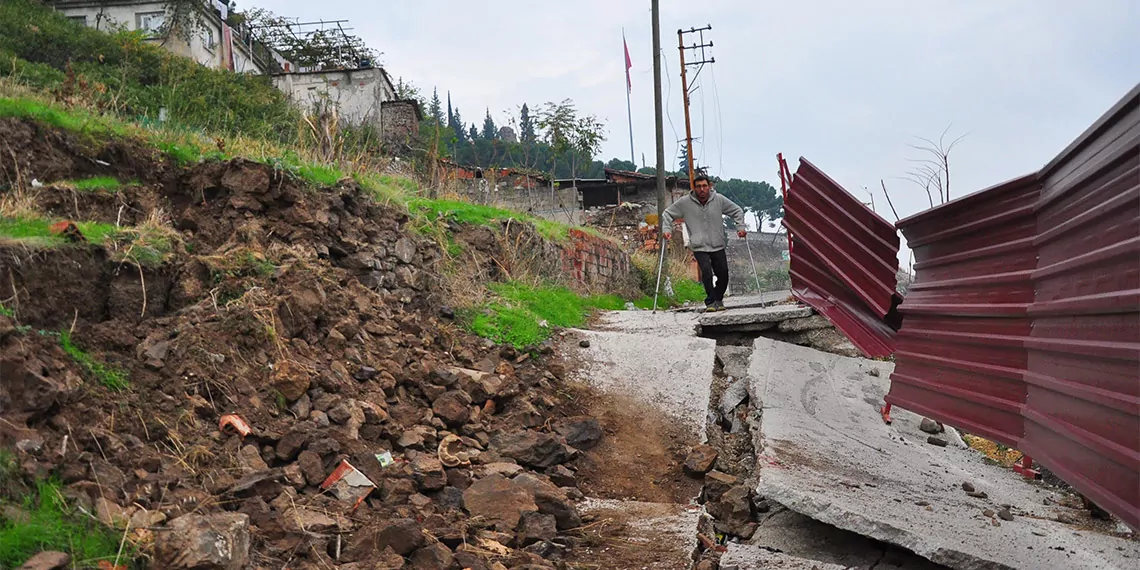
x: 668, y: 236
x: 742, y: 233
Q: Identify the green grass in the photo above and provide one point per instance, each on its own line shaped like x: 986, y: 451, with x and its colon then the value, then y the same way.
x: 113, y: 378
x: 39, y: 230
x: 75, y: 120
x: 51, y: 525
x: 684, y: 291
x: 517, y: 314
x: 6, y: 312
x: 320, y: 175
x: 96, y: 184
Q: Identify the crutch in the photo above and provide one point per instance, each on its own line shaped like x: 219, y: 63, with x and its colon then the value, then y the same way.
x: 660, y: 265
x: 754, y: 275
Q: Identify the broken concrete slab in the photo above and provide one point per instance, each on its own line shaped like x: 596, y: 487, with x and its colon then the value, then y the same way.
x: 794, y: 534
x: 826, y: 453
x: 746, y: 301
x: 747, y: 557
x: 751, y: 319
x: 664, y: 534
x: 661, y: 323
x: 671, y: 374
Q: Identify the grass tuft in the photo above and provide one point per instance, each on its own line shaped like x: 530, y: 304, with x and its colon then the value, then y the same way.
x: 38, y: 231
x: 96, y: 184
x: 524, y: 315
x: 46, y: 523
x: 113, y: 378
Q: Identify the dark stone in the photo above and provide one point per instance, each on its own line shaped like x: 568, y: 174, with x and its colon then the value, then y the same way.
x: 291, y: 444
x: 531, y: 448
x: 583, y: 432
x: 403, y: 536
x: 433, y: 557
x: 365, y: 374
x: 312, y: 466
x: 1004, y: 514
x: 932, y: 440
x: 453, y: 407
x: 585, y: 343
x: 449, y: 498
x: 535, y: 527
x: 428, y: 473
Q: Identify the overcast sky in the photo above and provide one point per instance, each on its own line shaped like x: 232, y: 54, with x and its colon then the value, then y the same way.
x: 846, y: 84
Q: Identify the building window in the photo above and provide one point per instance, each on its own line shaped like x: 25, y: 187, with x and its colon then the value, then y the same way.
x: 150, y: 22
x: 209, y: 39
x: 81, y: 20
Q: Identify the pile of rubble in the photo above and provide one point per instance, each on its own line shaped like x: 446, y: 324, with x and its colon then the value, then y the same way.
x: 298, y: 395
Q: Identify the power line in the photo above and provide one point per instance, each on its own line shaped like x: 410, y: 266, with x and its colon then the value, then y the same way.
x: 668, y: 97
x: 719, y: 124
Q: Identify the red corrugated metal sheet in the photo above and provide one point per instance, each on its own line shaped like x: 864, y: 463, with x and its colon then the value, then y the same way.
x: 1082, y: 409
x: 1023, y: 324
x: 961, y: 348
x: 844, y: 259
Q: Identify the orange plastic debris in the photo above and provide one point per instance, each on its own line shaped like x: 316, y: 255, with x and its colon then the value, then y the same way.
x: 68, y: 230
x: 233, y: 424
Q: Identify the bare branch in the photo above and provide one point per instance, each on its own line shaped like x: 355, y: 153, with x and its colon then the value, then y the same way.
x: 888, y: 195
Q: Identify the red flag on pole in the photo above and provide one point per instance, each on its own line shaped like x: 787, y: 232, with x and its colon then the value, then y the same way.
x: 628, y: 64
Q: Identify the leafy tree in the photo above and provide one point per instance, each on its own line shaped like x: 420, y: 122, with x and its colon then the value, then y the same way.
x: 473, y: 134
x: 759, y: 198
x: 435, y: 108
x: 684, y: 164
x: 526, y: 125
x: 490, y: 131
x: 567, y: 133
x: 619, y: 164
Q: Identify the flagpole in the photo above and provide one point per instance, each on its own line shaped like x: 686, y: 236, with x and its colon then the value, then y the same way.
x: 628, y: 108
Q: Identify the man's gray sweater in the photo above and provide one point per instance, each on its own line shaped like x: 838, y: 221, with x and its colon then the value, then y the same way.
x: 704, y: 221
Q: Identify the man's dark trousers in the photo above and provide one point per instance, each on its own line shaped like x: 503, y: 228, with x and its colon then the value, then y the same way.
x: 713, y: 263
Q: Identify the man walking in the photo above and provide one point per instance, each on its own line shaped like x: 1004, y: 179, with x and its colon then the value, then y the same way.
x: 704, y: 210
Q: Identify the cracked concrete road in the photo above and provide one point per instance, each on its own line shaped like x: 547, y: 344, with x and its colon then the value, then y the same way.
x: 828, y: 454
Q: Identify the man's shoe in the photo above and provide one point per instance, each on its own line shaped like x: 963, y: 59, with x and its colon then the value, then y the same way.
x: 718, y: 306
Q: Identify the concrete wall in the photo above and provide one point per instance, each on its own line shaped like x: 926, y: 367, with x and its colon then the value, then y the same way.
x: 205, y: 45
x: 358, y: 94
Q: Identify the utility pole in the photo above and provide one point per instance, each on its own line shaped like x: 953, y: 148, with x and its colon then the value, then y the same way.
x: 658, y: 120
x: 685, y: 85
x: 660, y: 135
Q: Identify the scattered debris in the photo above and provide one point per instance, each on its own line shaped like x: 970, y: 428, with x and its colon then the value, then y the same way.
x: 348, y: 484
x: 233, y: 424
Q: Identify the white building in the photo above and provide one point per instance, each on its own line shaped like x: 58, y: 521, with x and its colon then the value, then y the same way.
x: 358, y: 94
x: 212, y: 42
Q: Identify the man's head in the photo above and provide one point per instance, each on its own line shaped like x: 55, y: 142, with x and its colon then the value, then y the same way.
x: 702, y: 187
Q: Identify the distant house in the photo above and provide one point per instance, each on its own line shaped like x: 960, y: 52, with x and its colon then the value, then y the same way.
x: 212, y: 42
x: 358, y: 94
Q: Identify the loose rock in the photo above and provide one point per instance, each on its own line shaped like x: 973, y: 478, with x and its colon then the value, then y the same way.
x: 585, y: 343
x: 583, y: 432
x: 937, y: 441
x: 536, y: 527
x: 204, y: 542
x: 701, y: 459
x: 531, y: 448
x: 930, y: 426
x: 499, y: 500
x: 47, y: 561
x: 1004, y: 514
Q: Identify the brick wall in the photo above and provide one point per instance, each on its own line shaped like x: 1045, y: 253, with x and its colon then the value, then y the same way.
x: 597, y: 264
